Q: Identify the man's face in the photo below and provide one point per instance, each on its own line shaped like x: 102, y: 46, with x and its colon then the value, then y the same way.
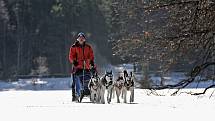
x: 81, y: 40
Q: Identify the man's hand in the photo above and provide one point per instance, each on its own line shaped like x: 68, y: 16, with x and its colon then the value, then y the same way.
x: 92, y: 64
x: 75, y: 63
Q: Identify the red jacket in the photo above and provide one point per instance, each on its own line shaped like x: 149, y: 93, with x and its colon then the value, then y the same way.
x: 81, y: 53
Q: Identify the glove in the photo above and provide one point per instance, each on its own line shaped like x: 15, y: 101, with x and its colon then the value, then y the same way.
x: 75, y: 63
x: 92, y: 64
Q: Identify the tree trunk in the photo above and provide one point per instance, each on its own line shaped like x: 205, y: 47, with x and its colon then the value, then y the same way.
x: 4, y: 62
x: 18, y: 39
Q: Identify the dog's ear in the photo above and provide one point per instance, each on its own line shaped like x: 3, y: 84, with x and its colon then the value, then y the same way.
x: 111, y: 72
x: 131, y: 74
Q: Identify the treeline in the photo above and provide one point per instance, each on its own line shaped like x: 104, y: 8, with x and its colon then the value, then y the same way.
x: 35, y: 35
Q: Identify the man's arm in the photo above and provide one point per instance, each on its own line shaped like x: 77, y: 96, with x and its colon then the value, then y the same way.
x: 71, y: 54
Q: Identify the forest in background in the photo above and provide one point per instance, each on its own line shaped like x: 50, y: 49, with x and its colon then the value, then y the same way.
x: 36, y: 34
x: 159, y: 35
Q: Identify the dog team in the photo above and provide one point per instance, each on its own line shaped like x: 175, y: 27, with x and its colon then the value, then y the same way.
x: 122, y: 86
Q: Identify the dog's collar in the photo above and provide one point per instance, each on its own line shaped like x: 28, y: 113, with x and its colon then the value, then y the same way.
x: 119, y: 85
x: 95, y: 87
x: 129, y: 84
x: 104, y: 82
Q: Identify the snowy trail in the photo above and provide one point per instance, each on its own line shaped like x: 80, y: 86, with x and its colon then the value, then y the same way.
x: 57, y: 106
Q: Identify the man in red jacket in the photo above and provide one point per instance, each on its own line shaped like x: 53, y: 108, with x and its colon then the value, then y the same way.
x: 82, y: 57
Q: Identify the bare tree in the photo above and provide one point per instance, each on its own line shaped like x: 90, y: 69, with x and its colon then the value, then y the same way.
x: 171, y: 34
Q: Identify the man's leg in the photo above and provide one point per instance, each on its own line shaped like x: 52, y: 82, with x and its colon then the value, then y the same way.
x: 78, y: 85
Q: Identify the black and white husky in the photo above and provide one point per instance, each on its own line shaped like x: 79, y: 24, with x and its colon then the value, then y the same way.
x: 106, y: 84
x: 128, y: 86
x: 94, y: 87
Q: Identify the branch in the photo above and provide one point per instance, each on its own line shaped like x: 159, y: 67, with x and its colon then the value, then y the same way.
x: 184, y: 83
x: 211, y: 86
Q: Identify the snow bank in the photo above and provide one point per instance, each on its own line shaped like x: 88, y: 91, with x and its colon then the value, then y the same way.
x: 37, y: 84
x: 57, y: 106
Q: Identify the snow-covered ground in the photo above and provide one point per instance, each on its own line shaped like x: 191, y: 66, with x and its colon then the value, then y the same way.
x: 49, y: 99
x: 57, y: 106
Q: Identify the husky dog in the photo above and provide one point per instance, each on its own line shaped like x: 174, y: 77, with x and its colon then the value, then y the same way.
x: 118, y: 87
x: 107, y: 84
x: 94, y: 87
x: 128, y: 86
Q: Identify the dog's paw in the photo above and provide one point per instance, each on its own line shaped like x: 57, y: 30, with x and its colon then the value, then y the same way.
x: 102, y: 102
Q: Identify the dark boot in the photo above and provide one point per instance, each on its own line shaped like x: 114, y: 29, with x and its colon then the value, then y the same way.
x: 73, y: 95
x: 82, y: 95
